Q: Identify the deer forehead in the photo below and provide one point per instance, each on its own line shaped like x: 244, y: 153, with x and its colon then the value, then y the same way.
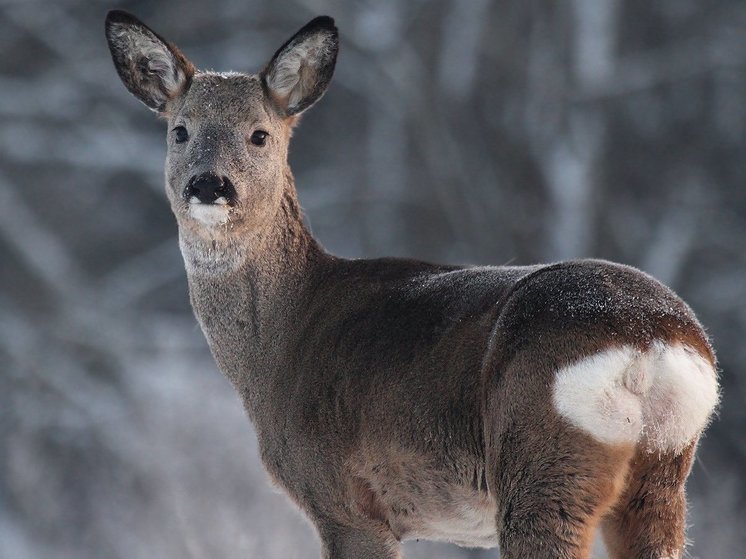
x: 229, y: 97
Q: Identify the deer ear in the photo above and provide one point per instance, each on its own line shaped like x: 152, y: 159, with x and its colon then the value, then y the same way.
x: 152, y: 69
x: 300, y: 71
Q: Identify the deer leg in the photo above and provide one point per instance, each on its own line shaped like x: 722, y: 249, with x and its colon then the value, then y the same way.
x: 342, y: 542
x: 648, y: 521
x: 550, y: 505
x: 552, y: 482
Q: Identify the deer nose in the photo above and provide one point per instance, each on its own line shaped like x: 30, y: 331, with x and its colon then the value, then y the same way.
x: 209, y: 188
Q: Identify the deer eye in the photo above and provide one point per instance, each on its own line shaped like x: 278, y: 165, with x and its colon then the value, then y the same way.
x: 259, y: 137
x: 181, y: 134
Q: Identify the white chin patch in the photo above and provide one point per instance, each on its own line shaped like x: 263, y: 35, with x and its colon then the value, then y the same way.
x: 211, y: 215
x: 662, y: 398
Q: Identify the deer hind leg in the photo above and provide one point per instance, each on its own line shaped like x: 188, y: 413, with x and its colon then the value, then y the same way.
x: 648, y: 521
x: 565, y: 438
x: 552, y: 494
x: 660, y: 399
x: 552, y: 482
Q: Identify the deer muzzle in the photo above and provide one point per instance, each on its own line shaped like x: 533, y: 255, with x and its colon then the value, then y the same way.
x: 209, y: 188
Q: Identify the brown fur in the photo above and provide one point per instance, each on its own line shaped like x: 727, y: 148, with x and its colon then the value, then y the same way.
x: 649, y: 519
x: 394, y: 398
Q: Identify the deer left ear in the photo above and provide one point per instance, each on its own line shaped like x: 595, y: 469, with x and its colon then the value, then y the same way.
x: 300, y: 71
x: 154, y: 70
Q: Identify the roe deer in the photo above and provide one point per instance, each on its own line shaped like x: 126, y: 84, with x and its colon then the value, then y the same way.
x: 395, y: 399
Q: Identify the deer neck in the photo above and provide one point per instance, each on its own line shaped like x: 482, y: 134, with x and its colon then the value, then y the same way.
x: 248, y: 290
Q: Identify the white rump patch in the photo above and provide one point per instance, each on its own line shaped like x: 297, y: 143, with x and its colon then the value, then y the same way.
x: 663, y: 397
x: 211, y: 215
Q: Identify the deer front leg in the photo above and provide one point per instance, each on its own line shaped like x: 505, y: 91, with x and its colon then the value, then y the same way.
x: 369, y: 542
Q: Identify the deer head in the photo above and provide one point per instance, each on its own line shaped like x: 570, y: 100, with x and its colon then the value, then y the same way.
x: 228, y: 133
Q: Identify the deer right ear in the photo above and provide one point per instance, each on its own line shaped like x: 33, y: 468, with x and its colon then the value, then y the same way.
x: 300, y: 71
x: 152, y: 69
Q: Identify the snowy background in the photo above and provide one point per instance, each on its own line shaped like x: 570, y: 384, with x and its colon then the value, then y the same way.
x: 469, y: 131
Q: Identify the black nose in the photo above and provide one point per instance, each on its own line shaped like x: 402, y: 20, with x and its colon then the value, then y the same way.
x: 208, y: 187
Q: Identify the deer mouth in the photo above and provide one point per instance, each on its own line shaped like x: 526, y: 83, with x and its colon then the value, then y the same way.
x: 211, y: 214
x: 225, y: 201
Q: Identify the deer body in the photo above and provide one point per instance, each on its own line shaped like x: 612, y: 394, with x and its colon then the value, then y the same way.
x: 395, y: 399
